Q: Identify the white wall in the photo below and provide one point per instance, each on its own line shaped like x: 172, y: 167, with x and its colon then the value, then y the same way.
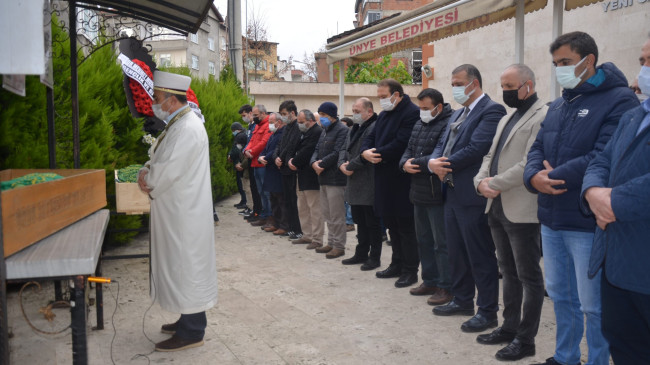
x: 619, y: 34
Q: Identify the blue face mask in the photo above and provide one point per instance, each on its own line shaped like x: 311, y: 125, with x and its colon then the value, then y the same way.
x: 234, y: 133
x: 325, y: 122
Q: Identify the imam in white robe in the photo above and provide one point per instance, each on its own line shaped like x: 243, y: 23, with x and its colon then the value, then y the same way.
x: 183, y: 262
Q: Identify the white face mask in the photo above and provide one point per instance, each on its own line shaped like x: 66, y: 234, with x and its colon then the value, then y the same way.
x: 272, y: 128
x: 426, y: 117
x: 566, y: 75
x: 459, y: 94
x: 158, y: 112
x: 356, y: 118
x: 246, y: 119
x: 644, y: 80
x: 303, y: 127
x: 386, y: 104
x: 284, y: 119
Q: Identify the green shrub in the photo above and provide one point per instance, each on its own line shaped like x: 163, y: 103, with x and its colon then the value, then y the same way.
x: 110, y: 137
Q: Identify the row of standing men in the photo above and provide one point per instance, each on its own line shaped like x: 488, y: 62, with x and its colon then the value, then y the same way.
x: 453, y: 187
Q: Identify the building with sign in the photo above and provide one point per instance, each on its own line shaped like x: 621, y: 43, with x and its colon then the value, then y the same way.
x: 490, y: 35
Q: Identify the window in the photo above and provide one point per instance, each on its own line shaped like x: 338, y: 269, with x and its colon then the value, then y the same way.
x: 211, y: 44
x: 165, y: 60
x: 265, y: 65
x: 194, y: 38
x: 195, y: 62
x: 211, y: 68
x: 372, y: 16
x: 416, y: 66
x: 224, y: 45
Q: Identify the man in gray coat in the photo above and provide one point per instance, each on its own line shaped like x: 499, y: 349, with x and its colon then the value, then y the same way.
x: 360, y: 192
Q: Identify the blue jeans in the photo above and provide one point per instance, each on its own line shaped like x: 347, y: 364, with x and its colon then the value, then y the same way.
x: 574, y: 295
x: 348, y: 214
x: 432, y: 245
x: 259, y: 173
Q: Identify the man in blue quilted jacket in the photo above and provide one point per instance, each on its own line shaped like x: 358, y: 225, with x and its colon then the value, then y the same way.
x: 576, y: 128
x: 616, y: 187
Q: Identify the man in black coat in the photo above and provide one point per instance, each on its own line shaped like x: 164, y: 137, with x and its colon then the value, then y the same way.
x: 308, y: 186
x: 283, y: 152
x: 234, y: 156
x: 384, y: 148
x: 456, y: 160
x: 426, y: 196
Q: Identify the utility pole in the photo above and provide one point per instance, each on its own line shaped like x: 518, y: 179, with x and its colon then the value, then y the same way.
x: 235, y: 38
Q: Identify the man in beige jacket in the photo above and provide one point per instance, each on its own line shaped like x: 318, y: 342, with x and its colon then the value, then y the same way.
x: 512, y: 215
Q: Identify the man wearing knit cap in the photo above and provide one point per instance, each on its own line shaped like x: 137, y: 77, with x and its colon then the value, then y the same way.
x: 177, y: 179
x: 332, y: 181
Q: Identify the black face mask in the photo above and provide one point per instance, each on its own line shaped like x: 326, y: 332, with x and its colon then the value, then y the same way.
x: 511, y: 97
x: 256, y: 120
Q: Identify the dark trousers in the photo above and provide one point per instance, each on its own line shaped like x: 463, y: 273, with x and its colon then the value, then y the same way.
x: 240, y: 187
x: 257, y: 200
x: 626, y: 323
x: 291, y: 202
x: 192, y: 326
x: 278, y: 211
x: 368, y: 232
x: 432, y: 245
x: 403, y: 242
x: 518, y: 253
x: 472, y: 260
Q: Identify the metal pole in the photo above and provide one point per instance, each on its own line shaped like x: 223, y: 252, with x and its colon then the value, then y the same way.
x: 4, y: 324
x: 519, y: 32
x: 558, y: 14
x: 234, y: 33
x: 341, y: 89
x: 51, y: 138
x: 78, y: 320
x: 74, y: 90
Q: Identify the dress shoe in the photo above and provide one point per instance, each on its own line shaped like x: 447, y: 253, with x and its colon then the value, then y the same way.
x: 279, y: 232
x: 295, y: 236
x: 496, y: 337
x: 258, y: 223
x: 478, y: 323
x: 549, y: 361
x: 300, y: 241
x: 324, y: 249
x: 516, y: 350
x: 389, y: 272
x: 354, y: 260
x: 169, y: 328
x: 424, y: 290
x: 314, y: 245
x: 370, y: 264
x: 349, y: 227
x: 452, y: 308
x: 407, y: 279
x: 442, y: 296
x: 177, y: 344
x: 270, y: 229
x: 335, y: 252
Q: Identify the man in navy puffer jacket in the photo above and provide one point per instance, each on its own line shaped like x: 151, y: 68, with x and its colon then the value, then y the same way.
x: 576, y: 128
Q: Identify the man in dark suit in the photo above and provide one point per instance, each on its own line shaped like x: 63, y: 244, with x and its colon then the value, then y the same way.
x: 384, y: 147
x: 456, y: 160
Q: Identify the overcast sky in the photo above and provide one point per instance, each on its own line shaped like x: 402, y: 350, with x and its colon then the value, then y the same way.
x: 298, y: 26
